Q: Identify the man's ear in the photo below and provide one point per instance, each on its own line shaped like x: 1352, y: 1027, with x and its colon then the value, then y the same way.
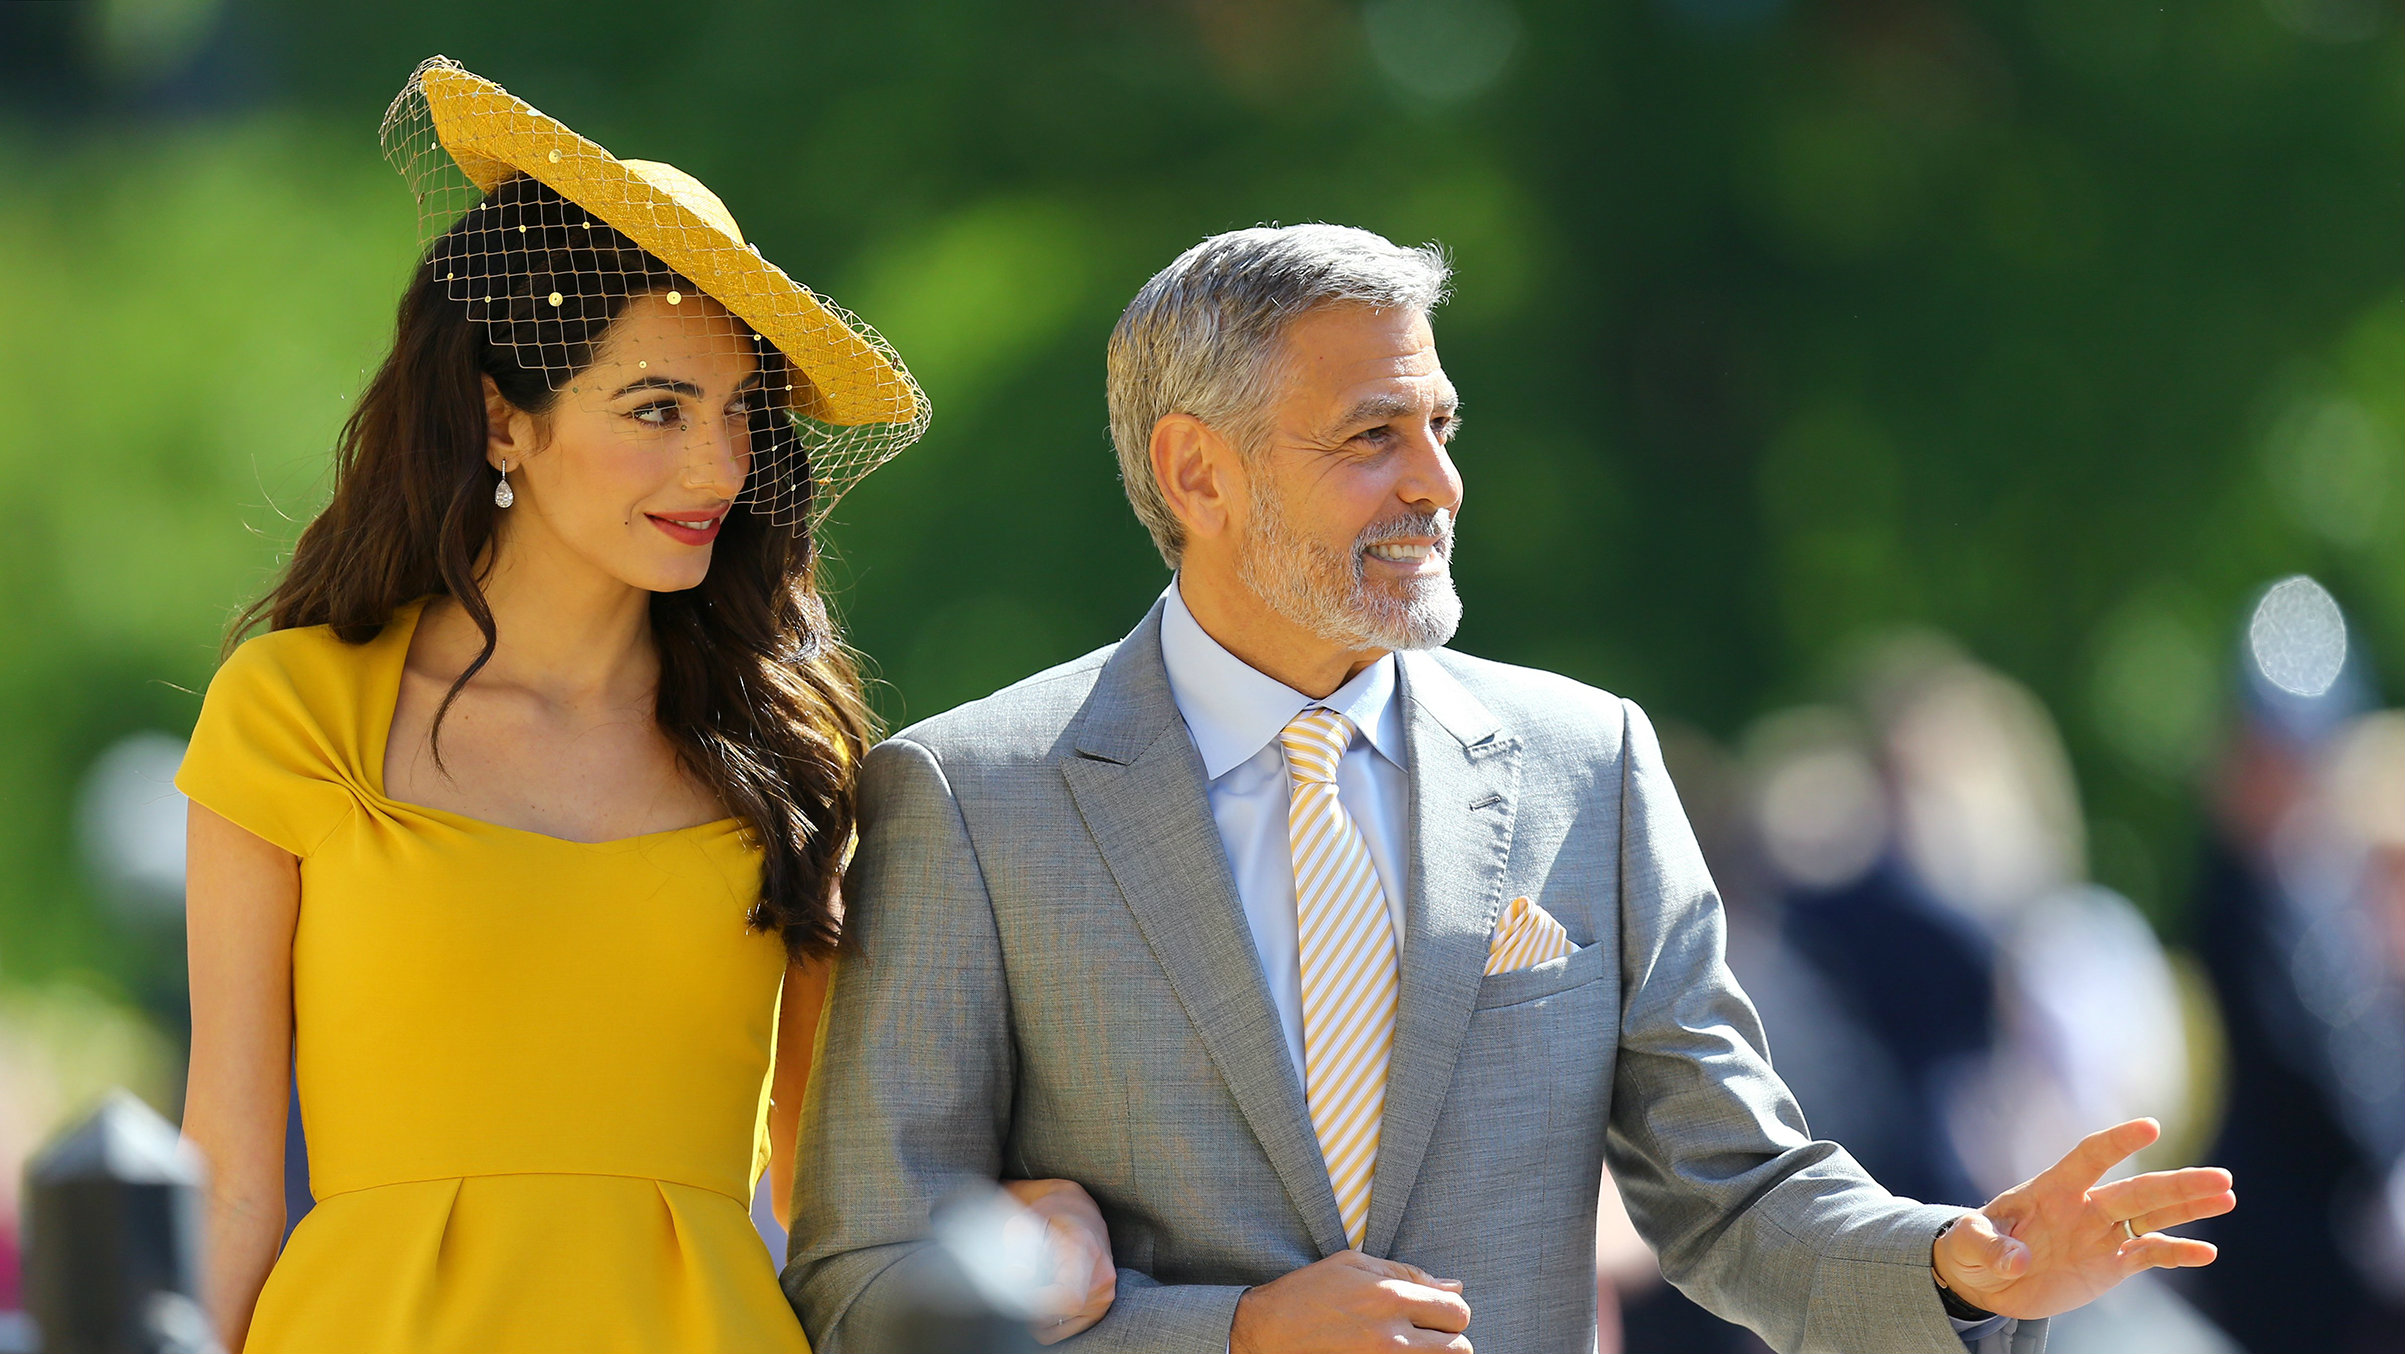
x: 1199, y: 473
x: 508, y: 430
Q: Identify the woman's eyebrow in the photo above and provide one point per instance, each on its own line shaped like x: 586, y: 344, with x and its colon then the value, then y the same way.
x: 684, y: 388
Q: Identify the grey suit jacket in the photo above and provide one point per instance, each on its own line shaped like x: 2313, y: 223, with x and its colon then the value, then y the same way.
x: 1052, y: 976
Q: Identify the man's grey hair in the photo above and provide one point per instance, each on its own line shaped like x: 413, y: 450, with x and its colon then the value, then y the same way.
x: 1206, y: 336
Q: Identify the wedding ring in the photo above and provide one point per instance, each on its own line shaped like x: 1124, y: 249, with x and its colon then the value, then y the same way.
x: 2125, y: 1230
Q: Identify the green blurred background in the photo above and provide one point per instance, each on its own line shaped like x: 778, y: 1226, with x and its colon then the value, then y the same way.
x: 2056, y: 325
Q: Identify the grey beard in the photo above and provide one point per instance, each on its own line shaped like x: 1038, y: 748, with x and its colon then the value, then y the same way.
x: 1326, y: 592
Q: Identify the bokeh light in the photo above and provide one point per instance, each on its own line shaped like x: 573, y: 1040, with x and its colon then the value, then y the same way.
x: 2298, y: 637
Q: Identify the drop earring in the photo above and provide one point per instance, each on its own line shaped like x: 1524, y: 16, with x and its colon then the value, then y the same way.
x: 503, y: 495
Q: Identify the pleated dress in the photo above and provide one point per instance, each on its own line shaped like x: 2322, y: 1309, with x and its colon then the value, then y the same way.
x: 533, y: 1072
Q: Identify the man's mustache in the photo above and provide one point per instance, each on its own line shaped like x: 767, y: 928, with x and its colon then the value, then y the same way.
x: 1436, y: 526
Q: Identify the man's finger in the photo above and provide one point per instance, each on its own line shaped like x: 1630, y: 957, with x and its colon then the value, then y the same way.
x: 2211, y: 1206
x: 2157, y: 1251
x: 2161, y: 1189
x: 1429, y: 1308
x: 2099, y: 1152
x: 1396, y: 1269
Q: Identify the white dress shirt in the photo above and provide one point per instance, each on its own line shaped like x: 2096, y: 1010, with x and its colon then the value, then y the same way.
x: 1234, y: 713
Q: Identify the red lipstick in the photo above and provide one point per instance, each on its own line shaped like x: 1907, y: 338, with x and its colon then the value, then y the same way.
x: 690, y: 529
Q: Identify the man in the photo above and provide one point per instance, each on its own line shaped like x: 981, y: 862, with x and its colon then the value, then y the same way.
x: 1336, y: 964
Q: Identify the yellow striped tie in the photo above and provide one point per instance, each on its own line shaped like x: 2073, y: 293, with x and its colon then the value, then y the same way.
x: 1350, y: 976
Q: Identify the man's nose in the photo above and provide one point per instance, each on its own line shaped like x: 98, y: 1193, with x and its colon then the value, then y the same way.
x: 1430, y: 479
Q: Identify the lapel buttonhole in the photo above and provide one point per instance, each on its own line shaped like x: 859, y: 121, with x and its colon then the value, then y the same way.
x: 1488, y: 802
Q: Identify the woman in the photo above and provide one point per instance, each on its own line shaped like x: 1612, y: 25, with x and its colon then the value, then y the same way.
x: 518, y: 836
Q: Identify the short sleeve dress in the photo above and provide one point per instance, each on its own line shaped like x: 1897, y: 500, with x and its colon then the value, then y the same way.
x: 533, y: 1072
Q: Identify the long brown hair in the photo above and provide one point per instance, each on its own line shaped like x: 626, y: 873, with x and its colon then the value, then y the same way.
x: 757, y: 692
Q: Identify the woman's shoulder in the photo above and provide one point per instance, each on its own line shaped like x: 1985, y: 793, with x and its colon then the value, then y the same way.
x: 288, y: 731
x: 308, y: 665
x: 302, y: 656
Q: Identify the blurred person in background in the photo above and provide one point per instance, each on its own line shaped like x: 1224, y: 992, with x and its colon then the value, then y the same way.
x: 2089, y: 1016
x: 2299, y: 926
x: 518, y: 835
x: 1909, y: 980
x: 1884, y: 856
x: 2364, y: 795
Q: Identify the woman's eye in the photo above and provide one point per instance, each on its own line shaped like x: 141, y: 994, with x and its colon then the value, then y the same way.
x: 658, y: 414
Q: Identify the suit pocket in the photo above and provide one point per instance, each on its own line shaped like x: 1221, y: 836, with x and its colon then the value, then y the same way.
x: 1551, y: 978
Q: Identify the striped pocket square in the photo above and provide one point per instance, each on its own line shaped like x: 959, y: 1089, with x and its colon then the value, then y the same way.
x: 1525, y: 936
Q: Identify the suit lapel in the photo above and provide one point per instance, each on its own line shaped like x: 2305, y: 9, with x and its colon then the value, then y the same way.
x: 1463, y: 771
x: 1138, y: 784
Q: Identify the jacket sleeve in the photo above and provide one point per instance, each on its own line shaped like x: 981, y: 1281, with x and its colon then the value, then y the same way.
x: 910, y: 1097
x: 910, y: 1089
x: 1750, y: 1216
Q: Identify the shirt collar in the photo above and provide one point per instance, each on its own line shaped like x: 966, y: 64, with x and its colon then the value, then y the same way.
x: 1234, y: 709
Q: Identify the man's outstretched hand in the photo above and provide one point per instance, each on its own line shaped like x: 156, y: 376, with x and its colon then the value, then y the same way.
x: 2056, y: 1242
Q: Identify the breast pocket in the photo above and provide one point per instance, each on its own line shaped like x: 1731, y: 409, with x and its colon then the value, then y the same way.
x: 1537, y: 982
x: 1525, y: 1115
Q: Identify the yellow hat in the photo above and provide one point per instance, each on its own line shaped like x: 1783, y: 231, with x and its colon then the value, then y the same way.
x: 853, y: 380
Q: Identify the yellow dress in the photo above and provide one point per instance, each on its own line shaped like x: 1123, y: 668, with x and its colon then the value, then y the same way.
x: 533, y: 1072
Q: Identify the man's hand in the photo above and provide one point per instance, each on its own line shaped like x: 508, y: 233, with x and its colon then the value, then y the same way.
x: 1084, y: 1281
x: 1351, y: 1303
x: 2057, y: 1242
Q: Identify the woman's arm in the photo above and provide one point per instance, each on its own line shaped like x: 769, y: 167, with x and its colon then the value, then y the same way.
x: 797, y: 1034
x: 242, y: 899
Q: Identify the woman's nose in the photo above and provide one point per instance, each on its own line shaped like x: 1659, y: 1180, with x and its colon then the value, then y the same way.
x: 719, y: 455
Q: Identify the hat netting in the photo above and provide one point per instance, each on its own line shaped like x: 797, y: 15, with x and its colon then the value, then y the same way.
x: 546, y: 239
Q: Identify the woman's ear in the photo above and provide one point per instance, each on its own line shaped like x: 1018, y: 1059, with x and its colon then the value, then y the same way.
x: 508, y: 430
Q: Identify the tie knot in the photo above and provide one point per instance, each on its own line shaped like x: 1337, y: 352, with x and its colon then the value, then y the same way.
x: 1315, y: 741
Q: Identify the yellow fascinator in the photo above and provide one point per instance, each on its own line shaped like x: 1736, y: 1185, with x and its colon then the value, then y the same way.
x: 457, y: 137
